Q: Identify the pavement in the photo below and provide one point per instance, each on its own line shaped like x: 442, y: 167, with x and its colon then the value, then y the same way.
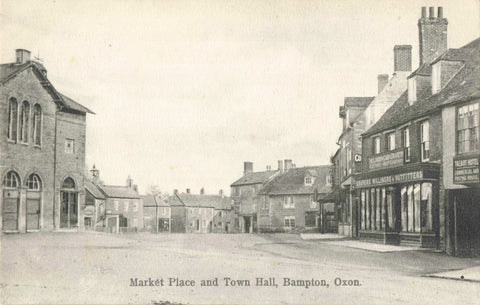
x: 85, y: 268
x: 318, y: 236
x: 469, y: 274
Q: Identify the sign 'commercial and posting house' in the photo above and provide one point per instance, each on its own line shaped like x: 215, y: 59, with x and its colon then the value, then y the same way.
x: 466, y: 170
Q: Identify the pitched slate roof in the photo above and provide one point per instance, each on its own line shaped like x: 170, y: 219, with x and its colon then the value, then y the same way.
x: 92, y: 189
x: 363, y: 101
x: 9, y: 71
x: 292, y: 182
x: 205, y: 201
x: 464, y: 86
x: 254, y: 178
x: 115, y: 191
x: 153, y: 201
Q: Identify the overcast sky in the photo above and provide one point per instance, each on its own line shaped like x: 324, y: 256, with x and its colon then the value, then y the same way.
x: 185, y: 91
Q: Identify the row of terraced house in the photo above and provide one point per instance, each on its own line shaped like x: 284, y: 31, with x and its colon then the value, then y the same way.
x: 407, y: 168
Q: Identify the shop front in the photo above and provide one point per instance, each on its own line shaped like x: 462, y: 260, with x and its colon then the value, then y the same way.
x: 399, y: 206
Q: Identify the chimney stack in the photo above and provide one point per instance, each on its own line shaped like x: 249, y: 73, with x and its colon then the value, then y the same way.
x: 280, y: 166
x: 269, y: 168
x: 402, y: 58
x: 23, y: 56
x: 288, y: 164
x: 187, y: 191
x: 129, y: 182
x: 382, y: 81
x: 202, y: 191
x: 247, y: 167
x: 220, y: 193
x: 432, y: 35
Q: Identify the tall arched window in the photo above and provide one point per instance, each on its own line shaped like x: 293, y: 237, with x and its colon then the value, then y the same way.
x: 11, y: 180
x: 24, y: 122
x: 34, y: 183
x: 37, y: 125
x: 12, y: 119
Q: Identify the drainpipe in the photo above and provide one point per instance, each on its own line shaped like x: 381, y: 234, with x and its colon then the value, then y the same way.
x: 55, y: 170
x: 156, y: 212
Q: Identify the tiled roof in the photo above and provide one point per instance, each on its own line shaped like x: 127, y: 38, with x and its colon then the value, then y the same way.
x: 254, y: 178
x: 425, y: 69
x: 152, y: 201
x: 358, y: 101
x: 92, y: 189
x: 207, y: 201
x: 114, y: 191
x: 8, y: 71
x: 465, y: 85
x: 292, y: 182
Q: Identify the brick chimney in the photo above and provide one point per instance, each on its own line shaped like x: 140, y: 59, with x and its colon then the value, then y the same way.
x: 247, y: 167
x: 288, y: 164
x: 402, y: 58
x: 22, y: 55
x: 280, y: 166
x: 382, y: 81
x: 187, y: 191
x: 432, y: 32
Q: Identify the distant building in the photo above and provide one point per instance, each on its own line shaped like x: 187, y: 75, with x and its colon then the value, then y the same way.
x: 157, y: 217
x: 123, y: 210
x: 245, y: 198
x: 42, y: 151
x: 192, y: 213
x: 288, y: 201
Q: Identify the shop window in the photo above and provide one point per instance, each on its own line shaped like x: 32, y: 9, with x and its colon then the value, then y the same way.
x: 416, y: 207
x: 12, y: 119
x: 24, y: 122
x: 406, y: 144
x: 425, y: 141
x: 426, y: 210
x: 378, y: 214
x: 362, y: 210
x: 390, y: 141
x: 367, y: 210
x: 391, y: 213
x: 468, y: 130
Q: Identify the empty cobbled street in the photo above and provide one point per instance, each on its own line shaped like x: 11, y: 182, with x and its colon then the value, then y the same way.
x: 75, y: 268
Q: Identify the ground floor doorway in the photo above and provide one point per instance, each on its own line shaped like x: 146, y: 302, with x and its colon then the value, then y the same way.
x: 68, y: 209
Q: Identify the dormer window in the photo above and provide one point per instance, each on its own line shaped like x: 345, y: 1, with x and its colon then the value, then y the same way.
x: 308, y: 180
x: 412, y: 90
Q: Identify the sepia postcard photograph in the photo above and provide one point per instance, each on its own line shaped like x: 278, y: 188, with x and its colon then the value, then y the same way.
x: 197, y: 152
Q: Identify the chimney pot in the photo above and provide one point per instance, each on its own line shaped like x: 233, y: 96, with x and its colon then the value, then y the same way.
x: 402, y: 58
x: 202, y: 191
x: 247, y: 167
x: 382, y: 81
x: 440, y: 12
x: 431, y: 13
x: 188, y: 191
x: 424, y: 12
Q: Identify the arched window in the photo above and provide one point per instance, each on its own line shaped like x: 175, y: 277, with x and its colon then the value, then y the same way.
x: 34, y: 183
x: 11, y: 180
x: 68, y: 184
x: 37, y: 125
x: 12, y: 119
x: 24, y: 121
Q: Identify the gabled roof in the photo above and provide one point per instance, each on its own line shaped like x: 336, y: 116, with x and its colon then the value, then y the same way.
x: 292, y: 182
x: 9, y: 71
x: 206, y: 201
x: 363, y: 101
x: 425, y: 70
x: 93, y: 189
x: 115, y: 191
x: 153, y: 201
x: 464, y: 86
x: 254, y: 178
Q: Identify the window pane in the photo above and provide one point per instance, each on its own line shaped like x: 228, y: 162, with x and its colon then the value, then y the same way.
x: 362, y: 209
x: 404, y: 200
x: 416, y: 198
x: 427, y: 207
x: 410, y: 214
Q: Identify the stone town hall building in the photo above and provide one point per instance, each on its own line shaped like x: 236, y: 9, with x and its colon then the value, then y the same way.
x: 42, y: 151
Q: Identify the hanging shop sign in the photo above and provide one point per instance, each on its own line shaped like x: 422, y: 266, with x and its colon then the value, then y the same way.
x: 466, y: 170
